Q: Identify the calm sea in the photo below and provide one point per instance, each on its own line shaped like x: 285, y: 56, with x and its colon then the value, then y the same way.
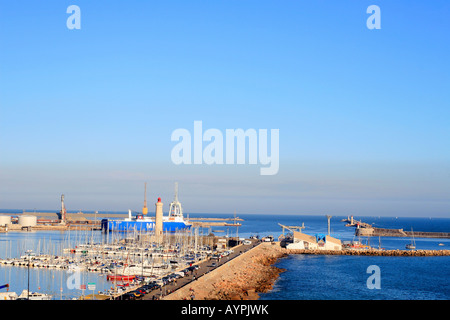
x: 306, y: 277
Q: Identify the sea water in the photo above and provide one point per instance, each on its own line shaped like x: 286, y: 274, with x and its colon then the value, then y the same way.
x: 314, y: 277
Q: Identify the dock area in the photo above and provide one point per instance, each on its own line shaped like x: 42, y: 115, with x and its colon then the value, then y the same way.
x: 88, y: 221
x: 52, y: 227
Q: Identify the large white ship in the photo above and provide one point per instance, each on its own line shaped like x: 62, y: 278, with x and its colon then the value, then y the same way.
x: 142, y: 222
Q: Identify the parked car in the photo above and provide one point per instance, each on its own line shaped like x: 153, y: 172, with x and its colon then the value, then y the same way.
x: 166, y: 280
x: 180, y: 274
x: 128, y: 296
x: 145, y: 289
x: 137, y: 293
x: 185, y: 271
x: 160, y: 282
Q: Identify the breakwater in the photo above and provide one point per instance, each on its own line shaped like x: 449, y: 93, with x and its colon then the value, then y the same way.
x: 367, y: 230
x: 253, y: 272
x: 242, y: 278
x: 373, y: 252
x: 383, y: 232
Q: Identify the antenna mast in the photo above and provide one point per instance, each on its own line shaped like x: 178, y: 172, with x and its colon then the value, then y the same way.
x: 175, y: 206
x: 176, y: 192
x: 329, y: 217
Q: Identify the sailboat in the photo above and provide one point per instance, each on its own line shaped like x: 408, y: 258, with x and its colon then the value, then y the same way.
x: 411, y: 245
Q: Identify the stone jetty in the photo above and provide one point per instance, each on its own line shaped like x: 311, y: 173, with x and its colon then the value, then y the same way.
x: 372, y: 252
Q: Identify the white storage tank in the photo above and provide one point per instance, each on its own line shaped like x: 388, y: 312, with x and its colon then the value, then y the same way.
x: 27, y: 221
x: 5, y: 220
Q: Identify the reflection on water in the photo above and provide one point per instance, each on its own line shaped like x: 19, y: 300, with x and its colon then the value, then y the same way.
x: 57, y: 282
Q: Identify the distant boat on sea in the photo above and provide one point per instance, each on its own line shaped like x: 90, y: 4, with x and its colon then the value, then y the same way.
x: 411, y: 245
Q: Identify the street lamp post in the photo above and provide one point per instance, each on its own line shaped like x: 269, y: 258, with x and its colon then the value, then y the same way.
x: 28, y: 285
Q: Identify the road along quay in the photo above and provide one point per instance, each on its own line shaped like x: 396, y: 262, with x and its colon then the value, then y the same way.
x: 241, y: 277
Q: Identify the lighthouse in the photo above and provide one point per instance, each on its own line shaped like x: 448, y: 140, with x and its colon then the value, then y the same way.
x: 159, y: 219
x: 62, y: 213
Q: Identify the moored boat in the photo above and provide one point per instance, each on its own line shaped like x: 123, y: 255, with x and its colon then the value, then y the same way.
x: 34, y: 296
x: 118, y: 277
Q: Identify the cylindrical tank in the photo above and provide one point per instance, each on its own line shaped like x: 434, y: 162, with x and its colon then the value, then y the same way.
x: 27, y: 221
x: 159, y: 218
x: 5, y: 220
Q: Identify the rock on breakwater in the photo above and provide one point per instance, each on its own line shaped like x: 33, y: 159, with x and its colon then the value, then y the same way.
x: 239, y: 279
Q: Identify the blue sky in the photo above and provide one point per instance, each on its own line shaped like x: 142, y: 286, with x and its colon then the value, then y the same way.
x: 363, y: 114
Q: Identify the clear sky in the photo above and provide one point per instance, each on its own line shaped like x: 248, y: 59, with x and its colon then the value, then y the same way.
x: 363, y: 115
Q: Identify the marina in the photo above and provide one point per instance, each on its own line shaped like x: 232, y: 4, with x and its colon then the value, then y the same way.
x: 124, y: 253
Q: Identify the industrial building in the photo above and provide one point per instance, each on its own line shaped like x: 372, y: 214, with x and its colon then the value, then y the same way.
x: 299, y: 240
x: 318, y: 241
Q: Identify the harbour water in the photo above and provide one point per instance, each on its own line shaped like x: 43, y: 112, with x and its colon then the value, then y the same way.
x: 306, y: 277
x: 56, y: 282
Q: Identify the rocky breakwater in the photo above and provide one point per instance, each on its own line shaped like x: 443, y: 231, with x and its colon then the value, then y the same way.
x: 239, y: 279
x: 374, y: 252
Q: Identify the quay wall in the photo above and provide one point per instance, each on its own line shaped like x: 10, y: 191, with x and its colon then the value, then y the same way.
x: 17, y: 227
x: 372, y: 252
